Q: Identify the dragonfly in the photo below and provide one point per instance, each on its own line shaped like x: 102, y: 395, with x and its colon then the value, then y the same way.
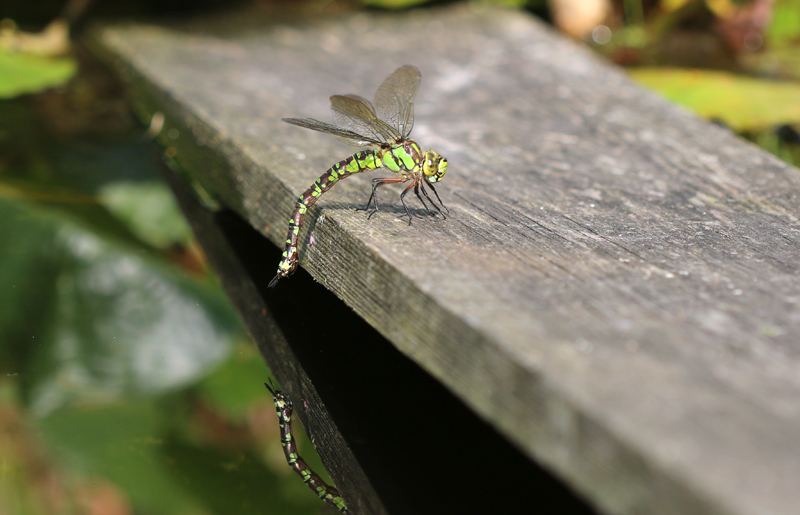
x: 384, y: 126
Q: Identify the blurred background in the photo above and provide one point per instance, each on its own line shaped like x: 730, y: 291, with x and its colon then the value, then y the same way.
x: 127, y: 384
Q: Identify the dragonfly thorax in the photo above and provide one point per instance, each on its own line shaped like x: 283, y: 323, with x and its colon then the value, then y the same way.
x: 434, y: 166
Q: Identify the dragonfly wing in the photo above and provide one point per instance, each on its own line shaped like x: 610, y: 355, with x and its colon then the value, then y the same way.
x: 394, y: 100
x: 348, y: 136
x: 357, y: 114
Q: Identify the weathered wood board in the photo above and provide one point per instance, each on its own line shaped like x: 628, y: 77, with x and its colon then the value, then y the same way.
x: 616, y: 286
x: 393, y: 438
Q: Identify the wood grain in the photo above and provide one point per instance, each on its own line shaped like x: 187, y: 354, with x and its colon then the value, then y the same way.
x: 616, y: 287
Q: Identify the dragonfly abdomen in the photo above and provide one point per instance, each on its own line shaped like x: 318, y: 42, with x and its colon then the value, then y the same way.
x: 359, y: 162
x: 329, y: 494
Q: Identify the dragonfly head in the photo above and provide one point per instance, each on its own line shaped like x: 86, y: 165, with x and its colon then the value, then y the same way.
x: 434, y: 166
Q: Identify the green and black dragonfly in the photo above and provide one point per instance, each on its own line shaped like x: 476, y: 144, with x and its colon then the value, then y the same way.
x: 385, y: 126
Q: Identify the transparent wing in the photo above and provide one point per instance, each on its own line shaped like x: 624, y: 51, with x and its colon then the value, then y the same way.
x: 394, y: 100
x: 348, y: 136
x: 356, y: 114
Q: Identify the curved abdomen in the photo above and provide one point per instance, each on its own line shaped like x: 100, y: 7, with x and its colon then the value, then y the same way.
x: 358, y: 162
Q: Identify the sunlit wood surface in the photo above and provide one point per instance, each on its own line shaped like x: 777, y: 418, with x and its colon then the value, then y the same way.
x: 615, y: 288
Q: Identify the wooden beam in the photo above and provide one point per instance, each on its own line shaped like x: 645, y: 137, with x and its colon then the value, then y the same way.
x: 393, y: 438
x: 616, y: 286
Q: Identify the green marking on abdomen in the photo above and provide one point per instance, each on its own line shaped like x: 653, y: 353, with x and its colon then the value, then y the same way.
x: 329, y: 494
x: 352, y: 166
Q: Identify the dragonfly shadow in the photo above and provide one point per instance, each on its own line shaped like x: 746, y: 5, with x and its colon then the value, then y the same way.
x: 414, y: 209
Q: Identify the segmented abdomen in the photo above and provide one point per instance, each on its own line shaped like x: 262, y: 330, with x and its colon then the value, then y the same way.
x: 329, y: 494
x: 358, y: 162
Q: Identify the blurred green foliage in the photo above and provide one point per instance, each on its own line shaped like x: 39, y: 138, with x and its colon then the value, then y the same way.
x: 126, y: 383
x: 784, y: 27
x: 161, y: 452
x: 393, y: 4
x: 22, y: 73
x: 737, y: 63
x: 405, y: 4
x: 742, y: 103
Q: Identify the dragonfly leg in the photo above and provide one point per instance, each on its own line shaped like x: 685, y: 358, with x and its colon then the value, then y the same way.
x: 403, y: 200
x: 417, y: 185
x: 373, y: 195
x: 376, y: 183
x: 437, y: 197
x: 424, y: 192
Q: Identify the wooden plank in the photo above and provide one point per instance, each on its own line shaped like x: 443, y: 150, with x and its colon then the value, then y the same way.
x: 616, y: 287
x: 393, y: 438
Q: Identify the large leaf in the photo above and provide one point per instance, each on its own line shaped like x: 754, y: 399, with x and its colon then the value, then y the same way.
x: 742, y: 103
x: 149, y: 210
x: 135, y: 446
x: 82, y: 317
x: 784, y: 25
x: 109, y: 187
x: 23, y: 73
x: 239, y: 484
x: 124, y: 444
x: 237, y: 385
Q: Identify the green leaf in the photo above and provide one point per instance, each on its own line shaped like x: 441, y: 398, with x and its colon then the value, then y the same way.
x: 134, y: 444
x: 238, y: 484
x: 123, y: 443
x: 238, y: 384
x: 87, y: 318
x: 149, y: 210
x: 23, y: 73
x: 88, y: 211
x: 110, y: 188
x: 784, y: 26
x: 742, y: 103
